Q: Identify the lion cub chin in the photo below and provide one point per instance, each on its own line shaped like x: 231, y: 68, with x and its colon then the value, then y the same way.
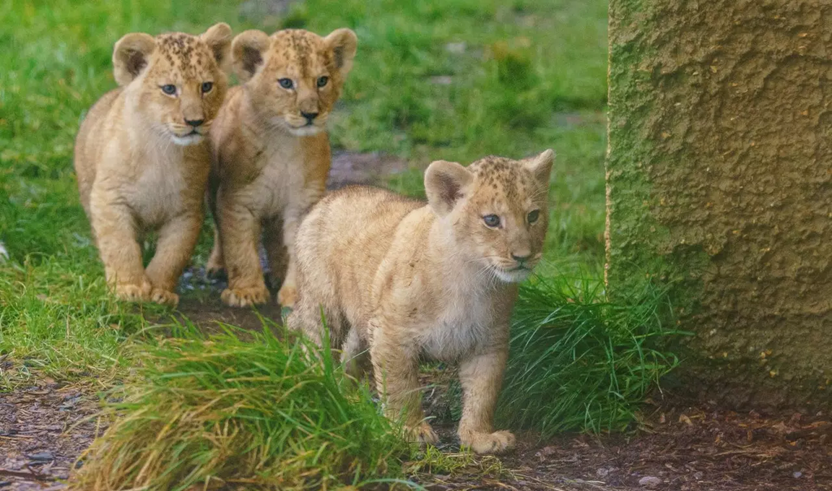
x: 405, y: 280
x: 142, y: 159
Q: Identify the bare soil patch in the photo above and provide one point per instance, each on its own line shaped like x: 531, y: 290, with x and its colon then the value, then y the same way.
x: 43, y: 430
x: 679, y: 448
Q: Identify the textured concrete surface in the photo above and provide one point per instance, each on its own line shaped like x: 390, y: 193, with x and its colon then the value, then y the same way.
x: 719, y: 182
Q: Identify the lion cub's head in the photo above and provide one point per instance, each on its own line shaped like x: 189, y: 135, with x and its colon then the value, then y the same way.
x: 294, y: 76
x: 175, y: 82
x: 496, y: 209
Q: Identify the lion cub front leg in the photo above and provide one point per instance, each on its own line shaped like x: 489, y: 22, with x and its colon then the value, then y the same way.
x: 115, y: 232
x: 240, y: 234
x: 481, y: 376
x: 177, y: 240
x: 396, y: 373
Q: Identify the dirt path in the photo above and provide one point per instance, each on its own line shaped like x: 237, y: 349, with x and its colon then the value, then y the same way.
x: 44, y: 428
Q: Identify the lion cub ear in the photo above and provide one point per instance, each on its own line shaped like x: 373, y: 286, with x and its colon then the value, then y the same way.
x: 131, y: 55
x: 445, y: 184
x: 247, y: 52
x: 541, y: 165
x: 343, y: 43
x: 218, y: 38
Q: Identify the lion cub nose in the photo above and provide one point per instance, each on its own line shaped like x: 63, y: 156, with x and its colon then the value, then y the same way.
x: 194, y: 122
x: 309, y: 116
x: 521, y: 257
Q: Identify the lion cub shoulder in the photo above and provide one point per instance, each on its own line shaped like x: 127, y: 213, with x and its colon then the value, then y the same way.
x: 405, y: 279
x: 142, y: 160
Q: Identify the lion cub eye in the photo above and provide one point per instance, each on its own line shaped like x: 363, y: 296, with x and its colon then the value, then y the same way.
x: 207, y: 86
x: 169, y: 89
x: 322, y: 81
x: 492, y: 221
x: 533, y: 216
x: 286, y: 83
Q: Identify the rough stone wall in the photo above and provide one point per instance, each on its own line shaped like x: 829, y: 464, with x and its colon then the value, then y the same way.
x: 719, y: 181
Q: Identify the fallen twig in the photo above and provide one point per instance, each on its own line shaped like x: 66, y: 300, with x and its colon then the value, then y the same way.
x: 26, y: 475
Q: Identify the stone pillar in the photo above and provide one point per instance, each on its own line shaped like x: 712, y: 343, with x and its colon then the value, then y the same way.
x: 719, y: 182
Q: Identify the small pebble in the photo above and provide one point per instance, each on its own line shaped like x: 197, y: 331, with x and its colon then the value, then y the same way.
x: 41, y: 457
x: 649, y: 481
x: 797, y: 475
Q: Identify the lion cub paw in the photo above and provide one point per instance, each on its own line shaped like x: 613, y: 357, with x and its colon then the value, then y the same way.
x: 164, y: 297
x: 421, y: 433
x: 287, y: 296
x: 245, y: 297
x: 133, y: 293
x: 488, y: 443
x: 214, y: 268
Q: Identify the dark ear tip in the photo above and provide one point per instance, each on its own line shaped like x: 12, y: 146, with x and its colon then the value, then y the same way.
x: 247, y: 49
x: 130, y: 56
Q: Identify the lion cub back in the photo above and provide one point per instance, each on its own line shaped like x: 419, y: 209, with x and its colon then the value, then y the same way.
x: 345, y: 237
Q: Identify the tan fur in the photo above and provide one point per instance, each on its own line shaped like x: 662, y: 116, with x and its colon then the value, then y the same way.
x: 271, y: 162
x: 140, y: 166
x: 405, y: 279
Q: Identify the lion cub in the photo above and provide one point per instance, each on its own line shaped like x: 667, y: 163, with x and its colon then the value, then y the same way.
x: 142, y: 159
x: 271, y: 153
x: 408, y: 279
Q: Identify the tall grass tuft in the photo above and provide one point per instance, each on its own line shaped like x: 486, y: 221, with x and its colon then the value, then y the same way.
x: 221, y: 412
x: 580, y: 362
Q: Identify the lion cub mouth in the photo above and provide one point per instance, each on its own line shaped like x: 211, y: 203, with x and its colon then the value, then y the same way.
x: 192, y: 138
x: 516, y: 274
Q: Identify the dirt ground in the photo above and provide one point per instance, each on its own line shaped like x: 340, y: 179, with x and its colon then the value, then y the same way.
x: 44, y: 428
x: 678, y: 446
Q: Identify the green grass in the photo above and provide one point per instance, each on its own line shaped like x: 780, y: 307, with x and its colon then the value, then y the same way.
x: 591, y: 361
x: 254, y: 413
x: 436, y: 79
x: 524, y: 75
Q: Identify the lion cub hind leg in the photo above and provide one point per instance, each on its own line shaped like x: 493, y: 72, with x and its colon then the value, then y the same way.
x: 177, y: 240
x: 355, y: 355
x: 287, y: 296
x: 396, y: 373
x: 215, y: 267
x: 481, y: 377
x: 276, y: 252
